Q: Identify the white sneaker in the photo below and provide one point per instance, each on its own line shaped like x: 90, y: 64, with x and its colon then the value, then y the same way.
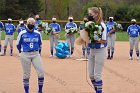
x: 138, y: 58
x: 130, y: 58
x: 50, y: 56
x: 69, y: 56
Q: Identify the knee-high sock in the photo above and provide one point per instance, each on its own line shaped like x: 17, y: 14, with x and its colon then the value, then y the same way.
x: 137, y: 53
x: 83, y: 50
x: 26, y: 85
x: 0, y: 48
x: 131, y: 53
x: 112, y: 51
x: 88, y: 50
x: 72, y: 50
x: 93, y: 83
x: 5, y: 47
x: 98, y: 85
x: 40, y: 84
x: 108, y: 52
x: 51, y: 51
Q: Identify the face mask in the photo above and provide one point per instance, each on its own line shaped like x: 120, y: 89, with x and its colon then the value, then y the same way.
x: 70, y: 20
x: 30, y: 26
x: 85, y: 21
x: 22, y: 24
x: 9, y: 22
x: 54, y: 21
x: 133, y: 23
x: 37, y: 19
x: 90, y: 18
x: 110, y: 20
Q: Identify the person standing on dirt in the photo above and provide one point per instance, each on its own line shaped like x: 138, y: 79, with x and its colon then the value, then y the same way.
x: 54, y: 35
x: 97, y: 50
x: 111, y: 37
x: 28, y: 43
x: 85, y: 48
x: 9, y: 30
x: 70, y: 36
x: 1, y: 28
x: 134, y: 31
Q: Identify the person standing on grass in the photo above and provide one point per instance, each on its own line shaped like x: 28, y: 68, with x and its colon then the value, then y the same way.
x: 134, y: 31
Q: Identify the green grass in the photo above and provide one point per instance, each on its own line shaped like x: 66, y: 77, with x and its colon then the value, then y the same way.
x: 120, y: 36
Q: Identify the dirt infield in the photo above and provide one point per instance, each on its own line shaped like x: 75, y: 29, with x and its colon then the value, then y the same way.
x: 69, y: 75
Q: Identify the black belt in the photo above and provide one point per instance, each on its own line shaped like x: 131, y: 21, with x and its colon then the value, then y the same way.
x: 31, y: 51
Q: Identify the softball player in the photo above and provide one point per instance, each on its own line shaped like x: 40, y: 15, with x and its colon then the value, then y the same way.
x: 29, y: 42
x: 38, y: 21
x: 84, y: 47
x: 97, y: 51
x: 21, y: 26
x: 70, y: 36
x: 111, y: 37
x: 1, y: 28
x: 54, y: 35
x: 134, y: 31
x: 9, y: 30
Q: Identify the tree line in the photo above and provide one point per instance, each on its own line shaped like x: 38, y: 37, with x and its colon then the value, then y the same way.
x: 122, y: 10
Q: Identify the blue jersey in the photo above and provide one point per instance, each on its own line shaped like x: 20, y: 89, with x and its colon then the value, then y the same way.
x: 110, y: 26
x: 9, y: 28
x: 21, y: 28
x: 133, y: 30
x: 104, y: 37
x: 1, y: 25
x: 37, y: 23
x: 70, y: 24
x: 56, y: 27
x: 29, y: 41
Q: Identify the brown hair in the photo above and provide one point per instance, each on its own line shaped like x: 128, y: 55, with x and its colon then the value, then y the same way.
x: 99, y: 12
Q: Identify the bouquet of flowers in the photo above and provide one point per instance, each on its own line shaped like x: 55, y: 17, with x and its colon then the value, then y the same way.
x: 71, y: 30
x: 94, y: 31
x: 118, y: 27
x: 49, y: 30
x: 42, y: 26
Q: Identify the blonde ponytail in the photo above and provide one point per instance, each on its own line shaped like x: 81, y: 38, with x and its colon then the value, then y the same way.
x: 100, y: 13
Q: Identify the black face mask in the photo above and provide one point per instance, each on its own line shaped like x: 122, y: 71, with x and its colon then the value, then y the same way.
x: 9, y: 22
x: 110, y: 20
x: 37, y: 19
x: 30, y: 26
x: 90, y: 18
x: 22, y: 24
x: 133, y: 23
x: 85, y: 21
x: 70, y: 20
x: 54, y: 21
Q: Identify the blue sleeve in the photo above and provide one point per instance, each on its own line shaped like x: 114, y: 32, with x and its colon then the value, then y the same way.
x: 75, y: 25
x: 40, y: 41
x: 59, y: 28
x: 128, y: 30
x: 19, y: 41
x: 66, y: 26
